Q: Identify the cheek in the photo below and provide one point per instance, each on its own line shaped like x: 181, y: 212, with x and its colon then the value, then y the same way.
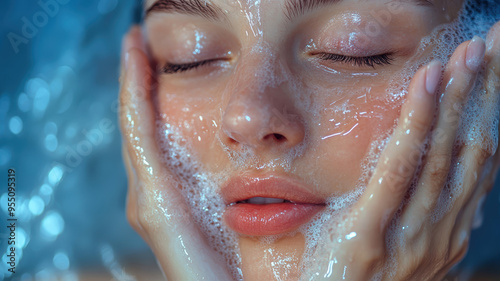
x: 346, y: 134
x: 193, y: 121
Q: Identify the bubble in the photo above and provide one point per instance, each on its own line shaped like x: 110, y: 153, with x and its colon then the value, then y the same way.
x: 55, y: 175
x: 45, y: 190
x: 61, y: 261
x: 41, y: 101
x: 52, y: 225
x: 51, y: 142
x: 36, y: 205
x: 15, y: 125
x: 22, y: 238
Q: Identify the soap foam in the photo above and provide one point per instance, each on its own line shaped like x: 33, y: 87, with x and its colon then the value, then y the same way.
x: 199, y: 190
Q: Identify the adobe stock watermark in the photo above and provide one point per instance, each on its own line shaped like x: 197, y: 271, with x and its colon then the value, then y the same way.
x: 91, y: 139
x: 31, y: 26
x: 451, y: 118
x: 381, y: 18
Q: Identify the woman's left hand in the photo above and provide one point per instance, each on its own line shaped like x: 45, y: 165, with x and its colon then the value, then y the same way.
x: 432, y: 229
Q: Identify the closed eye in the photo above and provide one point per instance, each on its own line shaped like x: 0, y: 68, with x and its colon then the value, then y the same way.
x: 171, y: 68
x: 370, y: 61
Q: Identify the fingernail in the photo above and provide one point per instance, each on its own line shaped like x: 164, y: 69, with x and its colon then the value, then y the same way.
x: 433, y: 76
x: 475, y: 53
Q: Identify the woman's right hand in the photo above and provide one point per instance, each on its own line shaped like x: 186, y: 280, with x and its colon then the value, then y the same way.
x: 155, y: 207
x: 428, y: 237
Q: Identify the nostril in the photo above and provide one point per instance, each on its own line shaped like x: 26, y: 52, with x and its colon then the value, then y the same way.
x: 279, y: 137
x: 276, y: 137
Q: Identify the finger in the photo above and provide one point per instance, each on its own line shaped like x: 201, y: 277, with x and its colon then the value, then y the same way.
x: 492, y: 82
x: 460, y: 76
x: 399, y: 160
x: 469, y: 217
x: 177, y: 242
x: 481, y: 147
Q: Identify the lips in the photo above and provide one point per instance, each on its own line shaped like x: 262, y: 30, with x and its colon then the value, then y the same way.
x: 268, y: 205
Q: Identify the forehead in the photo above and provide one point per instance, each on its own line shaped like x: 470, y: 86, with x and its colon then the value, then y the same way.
x: 219, y: 9
x: 149, y: 3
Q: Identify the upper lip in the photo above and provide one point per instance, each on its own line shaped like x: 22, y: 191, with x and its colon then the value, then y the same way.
x: 240, y: 188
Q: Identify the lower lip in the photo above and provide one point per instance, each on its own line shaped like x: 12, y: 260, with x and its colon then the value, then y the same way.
x: 269, y: 219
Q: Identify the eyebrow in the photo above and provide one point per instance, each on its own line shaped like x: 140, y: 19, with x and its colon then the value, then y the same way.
x: 295, y: 8
x: 191, y: 7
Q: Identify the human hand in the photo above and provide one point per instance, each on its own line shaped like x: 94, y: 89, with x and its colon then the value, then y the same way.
x: 155, y: 207
x: 414, y: 219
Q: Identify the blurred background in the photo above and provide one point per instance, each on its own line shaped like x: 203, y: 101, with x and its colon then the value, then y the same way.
x: 59, y: 63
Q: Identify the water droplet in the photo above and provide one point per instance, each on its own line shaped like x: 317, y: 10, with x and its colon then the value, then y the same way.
x: 350, y: 235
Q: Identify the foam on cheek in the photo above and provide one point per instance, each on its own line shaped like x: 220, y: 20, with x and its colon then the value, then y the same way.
x: 200, y: 192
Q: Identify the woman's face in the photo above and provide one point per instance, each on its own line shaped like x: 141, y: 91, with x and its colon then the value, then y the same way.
x: 300, y: 90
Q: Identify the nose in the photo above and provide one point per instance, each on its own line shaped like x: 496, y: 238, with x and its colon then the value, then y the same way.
x: 261, y: 113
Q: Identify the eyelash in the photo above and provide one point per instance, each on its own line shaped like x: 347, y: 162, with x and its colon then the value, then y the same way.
x: 171, y: 68
x: 371, y: 61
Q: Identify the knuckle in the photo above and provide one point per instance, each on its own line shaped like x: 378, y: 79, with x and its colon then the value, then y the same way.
x: 438, y: 167
x: 421, y: 124
x: 482, y: 153
x: 396, y: 183
x: 441, y: 258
